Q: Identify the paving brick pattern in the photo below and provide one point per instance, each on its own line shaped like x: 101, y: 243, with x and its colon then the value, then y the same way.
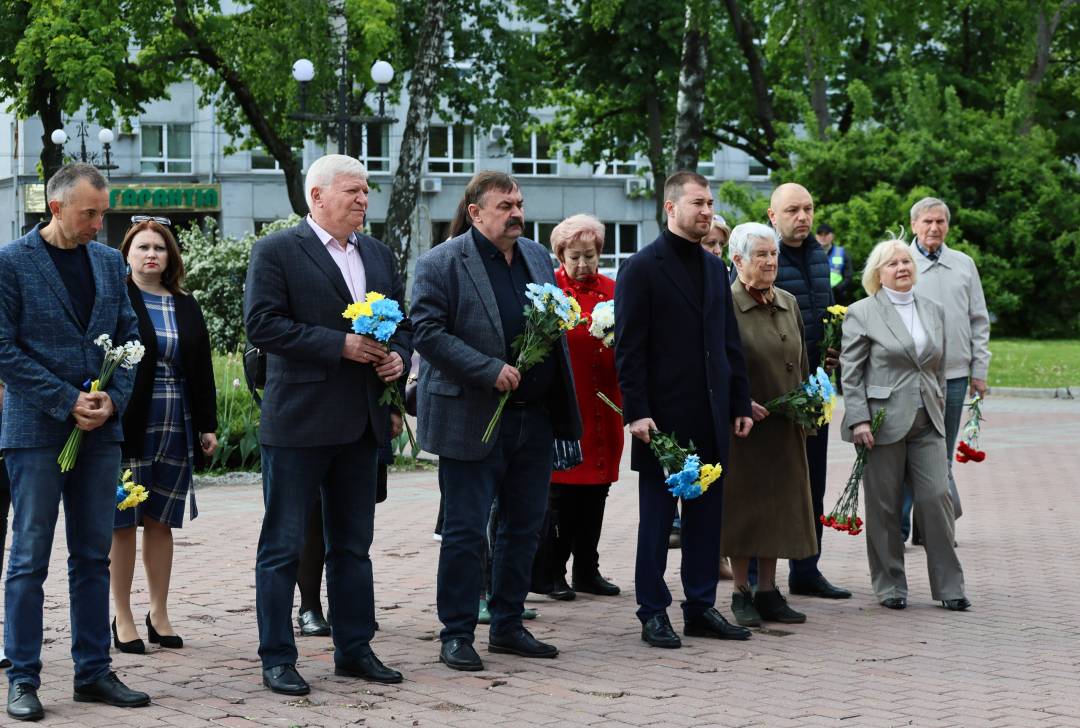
x: 1013, y: 660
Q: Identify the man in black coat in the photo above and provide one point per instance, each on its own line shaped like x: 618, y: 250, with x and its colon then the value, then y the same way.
x: 804, y: 273
x: 321, y: 418
x: 681, y: 371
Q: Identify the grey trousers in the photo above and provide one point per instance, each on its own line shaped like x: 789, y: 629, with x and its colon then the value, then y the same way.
x: 919, y: 458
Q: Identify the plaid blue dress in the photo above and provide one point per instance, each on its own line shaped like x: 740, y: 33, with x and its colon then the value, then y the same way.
x: 164, y: 467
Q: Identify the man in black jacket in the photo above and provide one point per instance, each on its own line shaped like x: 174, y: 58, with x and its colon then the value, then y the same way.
x: 681, y: 371
x: 804, y: 273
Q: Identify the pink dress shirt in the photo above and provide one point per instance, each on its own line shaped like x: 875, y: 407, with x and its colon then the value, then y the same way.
x: 347, y: 258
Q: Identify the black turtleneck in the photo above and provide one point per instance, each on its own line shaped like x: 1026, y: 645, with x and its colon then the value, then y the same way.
x: 690, y: 256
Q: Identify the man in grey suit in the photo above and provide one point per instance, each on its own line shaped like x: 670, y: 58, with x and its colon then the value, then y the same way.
x: 321, y: 418
x: 59, y: 291
x: 467, y: 308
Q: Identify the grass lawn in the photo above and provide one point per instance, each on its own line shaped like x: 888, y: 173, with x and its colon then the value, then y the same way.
x: 1031, y: 363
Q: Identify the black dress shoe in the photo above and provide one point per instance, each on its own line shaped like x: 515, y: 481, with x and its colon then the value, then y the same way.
x: 134, y: 647
x: 284, y: 679
x: 657, y: 631
x: 312, y: 624
x: 894, y: 603
x: 111, y: 691
x: 562, y: 591
x: 368, y: 667
x: 711, y: 623
x: 820, y: 587
x: 23, y: 703
x: 168, y: 641
x: 956, y: 605
x: 458, y: 654
x: 595, y: 584
x: 520, y: 642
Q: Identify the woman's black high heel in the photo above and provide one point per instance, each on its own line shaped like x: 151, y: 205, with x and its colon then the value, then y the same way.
x: 168, y: 641
x: 135, y: 647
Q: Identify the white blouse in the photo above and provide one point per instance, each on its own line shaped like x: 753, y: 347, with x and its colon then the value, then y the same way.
x: 904, y: 303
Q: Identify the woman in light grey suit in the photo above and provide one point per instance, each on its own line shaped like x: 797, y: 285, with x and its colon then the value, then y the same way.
x: 893, y: 358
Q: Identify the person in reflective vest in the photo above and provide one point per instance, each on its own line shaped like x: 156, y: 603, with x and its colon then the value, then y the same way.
x: 839, y: 264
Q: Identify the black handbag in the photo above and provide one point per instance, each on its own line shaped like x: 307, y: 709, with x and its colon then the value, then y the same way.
x: 567, y: 454
x: 255, y: 371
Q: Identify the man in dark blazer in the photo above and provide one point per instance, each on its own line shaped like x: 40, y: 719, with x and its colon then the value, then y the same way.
x: 59, y: 291
x: 467, y: 308
x: 804, y: 273
x: 681, y: 371
x: 321, y: 418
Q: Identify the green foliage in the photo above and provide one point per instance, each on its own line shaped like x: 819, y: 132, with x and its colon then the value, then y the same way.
x: 216, y: 269
x: 238, y: 416
x: 1026, y: 363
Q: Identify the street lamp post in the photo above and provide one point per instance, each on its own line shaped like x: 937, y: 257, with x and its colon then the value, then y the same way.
x: 105, y: 136
x: 382, y: 73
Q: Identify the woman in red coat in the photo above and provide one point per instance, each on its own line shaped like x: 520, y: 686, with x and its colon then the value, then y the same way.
x: 578, y: 495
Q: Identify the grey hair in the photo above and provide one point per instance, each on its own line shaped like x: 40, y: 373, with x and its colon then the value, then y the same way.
x: 743, y: 237
x: 926, y: 204
x: 324, y: 170
x: 61, y: 184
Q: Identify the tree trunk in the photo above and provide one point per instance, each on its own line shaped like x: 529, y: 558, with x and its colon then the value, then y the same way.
x: 819, y: 99
x: 656, y: 150
x: 406, y: 186
x: 47, y: 107
x: 763, y: 106
x: 690, y: 105
x: 1044, y: 39
x: 278, y: 148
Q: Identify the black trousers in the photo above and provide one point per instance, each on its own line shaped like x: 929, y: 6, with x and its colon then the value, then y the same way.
x: 577, y: 517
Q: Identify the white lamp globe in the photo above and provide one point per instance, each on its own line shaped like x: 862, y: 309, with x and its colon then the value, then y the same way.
x: 105, y: 136
x: 58, y: 137
x: 382, y: 73
x: 303, y: 70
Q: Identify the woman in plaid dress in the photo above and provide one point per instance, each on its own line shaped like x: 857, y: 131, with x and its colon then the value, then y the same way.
x: 169, y: 423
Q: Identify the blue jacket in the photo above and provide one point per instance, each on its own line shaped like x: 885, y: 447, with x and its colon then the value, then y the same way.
x: 45, y: 354
x: 811, y: 289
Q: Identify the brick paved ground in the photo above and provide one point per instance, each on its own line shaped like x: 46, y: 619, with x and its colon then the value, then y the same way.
x: 1012, y: 660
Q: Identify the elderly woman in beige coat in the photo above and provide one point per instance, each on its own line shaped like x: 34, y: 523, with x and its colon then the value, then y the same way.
x: 767, y: 509
x: 892, y: 358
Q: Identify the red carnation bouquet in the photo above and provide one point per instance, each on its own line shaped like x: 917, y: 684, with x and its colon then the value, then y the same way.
x: 968, y: 449
x: 845, y: 514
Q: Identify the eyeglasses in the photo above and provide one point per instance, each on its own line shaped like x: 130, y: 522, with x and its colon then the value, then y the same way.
x: 135, y: 219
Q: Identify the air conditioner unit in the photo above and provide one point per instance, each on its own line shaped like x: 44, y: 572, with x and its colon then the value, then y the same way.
x: 636, y: 186
x: 431, y: 185
x: 497, y: 133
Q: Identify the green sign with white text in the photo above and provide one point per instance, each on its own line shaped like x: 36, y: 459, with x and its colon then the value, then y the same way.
x: 194, y: 197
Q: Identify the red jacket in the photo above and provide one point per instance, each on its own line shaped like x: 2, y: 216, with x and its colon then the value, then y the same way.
x: 594, y: 370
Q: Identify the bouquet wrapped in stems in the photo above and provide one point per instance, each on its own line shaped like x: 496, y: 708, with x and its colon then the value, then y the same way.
x: 551, y: 315
x: 127, y: 356
x: 129, y: 494
x: 377, y: 317
x: 834, y: 322
x: 809, y: 405
x: 602, y: 323
x: 968, y: 449
x: 687, y: 477
x: 845, y: 514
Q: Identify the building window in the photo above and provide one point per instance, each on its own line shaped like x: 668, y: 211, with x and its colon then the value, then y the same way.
x: 376, y: 230
x: 166, y: 148
x: 451, y: 150
x: 707, y: 167
x: 533, y: 156
x: 617, y: 168
x: 375, y: 147
x: 263, y: 160
x: 620, y: 242
x: 757, y: 169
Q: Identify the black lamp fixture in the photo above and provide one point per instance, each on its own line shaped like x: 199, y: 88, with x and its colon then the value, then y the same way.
x: 59, y: 137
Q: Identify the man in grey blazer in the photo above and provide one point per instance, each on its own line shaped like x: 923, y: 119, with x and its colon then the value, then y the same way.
x: 467, y: 308
x: 59, y: 291
x: 321, y: 418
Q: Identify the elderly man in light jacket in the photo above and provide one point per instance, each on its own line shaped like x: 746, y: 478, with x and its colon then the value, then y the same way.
x: 951, y: 278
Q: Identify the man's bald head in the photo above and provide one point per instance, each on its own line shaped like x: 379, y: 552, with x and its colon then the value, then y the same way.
x: 791, y: 211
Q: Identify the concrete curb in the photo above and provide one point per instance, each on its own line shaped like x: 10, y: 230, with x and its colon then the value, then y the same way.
x: 1037, y: 392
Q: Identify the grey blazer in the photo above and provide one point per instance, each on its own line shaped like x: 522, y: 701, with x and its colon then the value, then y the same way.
x: 293, y: 301
x: 880, y: 369
x: 458, y: 332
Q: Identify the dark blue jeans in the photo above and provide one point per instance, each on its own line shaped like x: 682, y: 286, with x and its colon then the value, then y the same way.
x: 955, y: 393
x: 89, y: 496
x: 291, y: 475
x: 517, y: 471
x: 801, y: 571
x: 701, y: 518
